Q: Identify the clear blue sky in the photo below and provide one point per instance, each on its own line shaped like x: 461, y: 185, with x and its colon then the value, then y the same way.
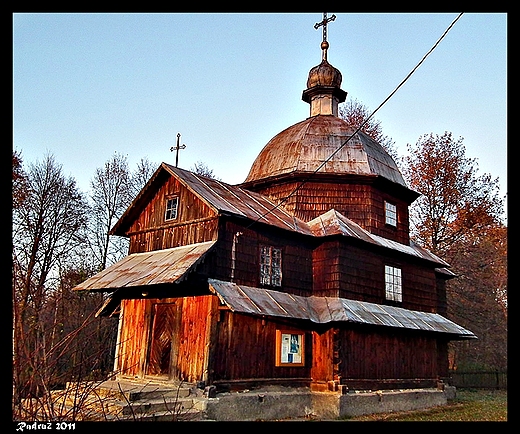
x: 87, y: 85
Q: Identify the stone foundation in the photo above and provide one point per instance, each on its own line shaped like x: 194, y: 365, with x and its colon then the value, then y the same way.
x: 138, y: 400
x: 287, y: 403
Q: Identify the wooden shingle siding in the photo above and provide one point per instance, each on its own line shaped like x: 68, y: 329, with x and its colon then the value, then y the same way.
x: 296, y: 255
x: 362, y: 203
x: 348, y: 271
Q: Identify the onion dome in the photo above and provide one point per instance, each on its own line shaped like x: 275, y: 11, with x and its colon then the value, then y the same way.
x: 323, y: 91
x: 324, y: 74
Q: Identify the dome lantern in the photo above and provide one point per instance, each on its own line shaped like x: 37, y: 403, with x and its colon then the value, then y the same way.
x: 323, y: 91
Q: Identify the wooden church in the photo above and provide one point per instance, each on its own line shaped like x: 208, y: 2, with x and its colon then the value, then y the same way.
x: 303, y: 275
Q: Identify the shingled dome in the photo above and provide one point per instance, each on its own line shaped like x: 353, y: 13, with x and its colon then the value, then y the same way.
x: 304, y: 146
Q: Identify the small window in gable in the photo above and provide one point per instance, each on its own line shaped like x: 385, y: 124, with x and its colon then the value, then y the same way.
x: 393, y: 283
x: 172, y: 206
x: 390, y: 214
x: 270, y: 266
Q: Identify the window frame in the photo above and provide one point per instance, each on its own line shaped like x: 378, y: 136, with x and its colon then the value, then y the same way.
x: 393, y: 283
x: 390, y: 214
x: 270, y: 270
x: 285, y: 354
x: 171, y: 209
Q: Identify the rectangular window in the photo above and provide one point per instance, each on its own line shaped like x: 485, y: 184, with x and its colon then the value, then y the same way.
x: 172, y: 205
x: 393, y: 283
x: 270, y: 266
x: 390, y: 214
x: 290, y: 348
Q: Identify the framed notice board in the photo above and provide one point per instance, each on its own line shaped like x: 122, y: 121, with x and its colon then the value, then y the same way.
x: 290, y: 348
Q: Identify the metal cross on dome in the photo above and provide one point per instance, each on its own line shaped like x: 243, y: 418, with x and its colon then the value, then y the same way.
x: 323, y: 23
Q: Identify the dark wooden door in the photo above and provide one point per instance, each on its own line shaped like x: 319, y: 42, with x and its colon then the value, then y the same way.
x: 163, y: 344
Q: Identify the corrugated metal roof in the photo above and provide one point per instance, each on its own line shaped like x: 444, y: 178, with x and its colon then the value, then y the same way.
x: 233, y: 199
x: 149, y: 268
x: 258, y: 301
x: 334, y: 223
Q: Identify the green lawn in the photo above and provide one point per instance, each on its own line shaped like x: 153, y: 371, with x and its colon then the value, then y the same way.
x: 470, y: 405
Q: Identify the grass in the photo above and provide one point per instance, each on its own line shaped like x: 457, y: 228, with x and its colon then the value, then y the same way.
x: 469, y: 405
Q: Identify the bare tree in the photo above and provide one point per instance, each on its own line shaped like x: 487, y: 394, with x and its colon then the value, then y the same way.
x: 201, y: 168
x: 45, y: 226
x: 56, y: 337
x: 111, y: 193
x: 356, y: 113
x: 141, y: 175
x: 113, y: 188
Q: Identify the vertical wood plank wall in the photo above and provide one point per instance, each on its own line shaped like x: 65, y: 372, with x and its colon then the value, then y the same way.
x: 196, y: 221
x: 190, y: 343
x: 386, y: 354
x: 245, y: 349
x: 134, y: 337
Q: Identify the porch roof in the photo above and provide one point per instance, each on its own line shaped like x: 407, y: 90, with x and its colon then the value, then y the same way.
x: 149, y: 268
x: 265, y: 302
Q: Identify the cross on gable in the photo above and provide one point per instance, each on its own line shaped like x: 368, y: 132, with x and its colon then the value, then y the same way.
x: 177, y: 148
x: 323, y: 23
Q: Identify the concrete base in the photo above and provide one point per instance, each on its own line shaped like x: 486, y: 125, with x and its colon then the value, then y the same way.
x: 356, y: 404
x: 288, y: 403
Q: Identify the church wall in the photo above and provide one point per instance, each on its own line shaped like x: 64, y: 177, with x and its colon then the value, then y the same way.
x: 361, y: 202
x: 133, y: 336
x: 174, y: 236
x: 245, y: 269
x: 199, y: 316
x: 362, y: 278
x: 399, y: 233
x: 419, y: 288
x: 346, y: 270
x: 245, y: 350
x: 185, y: 341
x: 196, y: 222
x: 386, y: 358
x: 325, y: 361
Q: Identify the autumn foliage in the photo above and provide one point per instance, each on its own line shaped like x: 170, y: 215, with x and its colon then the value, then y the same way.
x: 459, y: 217
x: 456, y: 202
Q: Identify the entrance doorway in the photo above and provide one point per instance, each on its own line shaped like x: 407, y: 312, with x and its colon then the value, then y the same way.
x: 163, y: 343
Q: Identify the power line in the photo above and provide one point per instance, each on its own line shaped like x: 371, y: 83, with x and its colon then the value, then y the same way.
x: 403, y: 81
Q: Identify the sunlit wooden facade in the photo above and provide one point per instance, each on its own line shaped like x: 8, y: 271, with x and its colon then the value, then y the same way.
x: 304, y: 275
